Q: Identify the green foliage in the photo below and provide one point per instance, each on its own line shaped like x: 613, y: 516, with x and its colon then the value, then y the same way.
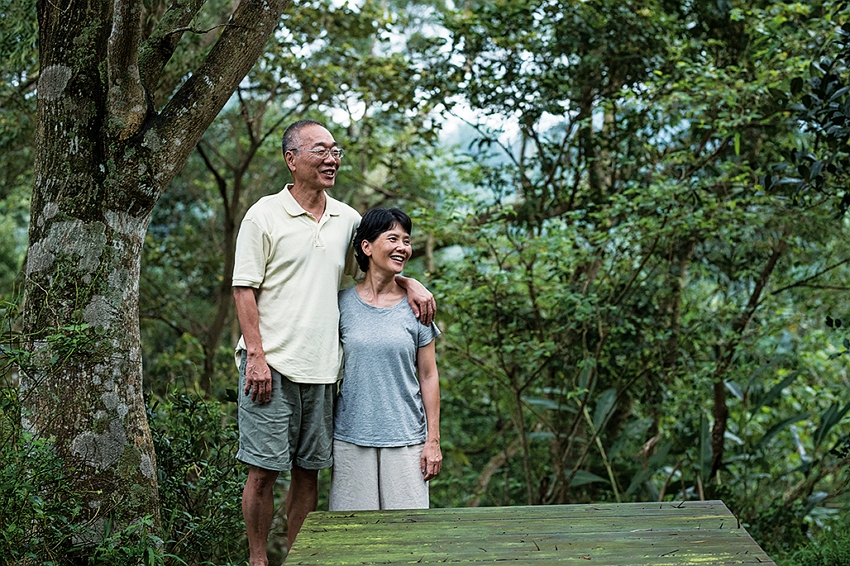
x: 200, y: 489
x: 200, y: 481
x: 831, y: 549
x: 818, y: 167
x: 34, y: 527
x: 38, y: 511
x: 18, y: 74
x: 132, y: 545
x: 18, y: 34
x: 834, y: 552
x: 625, y: 303
x: 11, y: 254
x: 778, y: 526
x: 618, y: 257
x: 41, y: 515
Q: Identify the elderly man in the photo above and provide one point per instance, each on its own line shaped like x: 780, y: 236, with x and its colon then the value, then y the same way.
x: 292, y: 253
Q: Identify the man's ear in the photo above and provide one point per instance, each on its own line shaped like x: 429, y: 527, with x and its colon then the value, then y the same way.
x: 289, y: 157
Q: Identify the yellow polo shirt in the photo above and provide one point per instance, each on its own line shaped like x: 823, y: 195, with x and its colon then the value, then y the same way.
x: 298, y: 265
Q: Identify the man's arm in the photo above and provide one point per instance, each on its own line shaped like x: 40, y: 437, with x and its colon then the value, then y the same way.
x: 421, y: 300
x: 258, y: 377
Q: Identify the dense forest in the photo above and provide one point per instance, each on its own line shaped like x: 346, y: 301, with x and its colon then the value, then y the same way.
x: 633, y: 215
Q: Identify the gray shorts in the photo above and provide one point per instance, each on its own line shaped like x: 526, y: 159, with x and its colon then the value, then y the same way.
x: 296, y: 426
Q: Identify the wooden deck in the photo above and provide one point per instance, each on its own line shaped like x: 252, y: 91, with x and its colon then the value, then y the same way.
x: 691, y: 532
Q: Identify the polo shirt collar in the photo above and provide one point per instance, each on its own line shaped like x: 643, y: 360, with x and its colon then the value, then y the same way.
x: 294, y: 209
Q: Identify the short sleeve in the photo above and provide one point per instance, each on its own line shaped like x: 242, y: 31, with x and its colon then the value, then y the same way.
x: 427, y: 334
x: 253, y: 247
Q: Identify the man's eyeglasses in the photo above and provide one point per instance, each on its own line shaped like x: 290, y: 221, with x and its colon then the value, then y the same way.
x: 323, y: 154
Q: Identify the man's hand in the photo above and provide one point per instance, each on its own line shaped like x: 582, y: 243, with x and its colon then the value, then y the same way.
x: 431, y: 461
x: 258, y: 379
x: 421, y: 300
x: 258, y: 376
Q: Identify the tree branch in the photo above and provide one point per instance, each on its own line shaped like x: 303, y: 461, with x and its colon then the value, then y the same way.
x: 159, y: 47
x: 755, y: 298
x: 183, y: 30
x: 246, y: 118
x: 495, y: 463
x: 220, y: 181
x: 190, y: 111
x: 804, y: 282
x: 126, y: 99
x: 739, y: 325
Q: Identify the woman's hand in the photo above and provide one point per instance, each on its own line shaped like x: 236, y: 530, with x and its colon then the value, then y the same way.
x: 431, y: 461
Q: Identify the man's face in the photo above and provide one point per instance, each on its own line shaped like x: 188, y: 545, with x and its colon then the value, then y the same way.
x: 312, y: 170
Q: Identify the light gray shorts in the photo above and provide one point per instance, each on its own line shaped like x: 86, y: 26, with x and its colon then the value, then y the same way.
x: 369, y: 479
x: 296, y: 426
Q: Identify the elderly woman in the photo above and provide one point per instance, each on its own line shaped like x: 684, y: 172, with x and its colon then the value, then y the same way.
x: 387, y: 416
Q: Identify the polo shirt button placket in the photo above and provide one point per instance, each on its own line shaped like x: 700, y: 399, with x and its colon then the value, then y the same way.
x: 317, y: 240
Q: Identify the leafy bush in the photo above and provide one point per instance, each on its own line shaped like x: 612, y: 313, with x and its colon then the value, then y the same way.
x: 200, y: 488
x: 41, y: 519
x: 778, y: 527
x: 828, y: 551
x: 132, y: 545
x: 34, y: 526
x: 200, y: 481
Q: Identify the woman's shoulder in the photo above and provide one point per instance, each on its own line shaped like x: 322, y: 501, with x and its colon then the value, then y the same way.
x: 346, y: 294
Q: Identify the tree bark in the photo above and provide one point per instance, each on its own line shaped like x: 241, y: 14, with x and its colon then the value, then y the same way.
x: 103, y: 158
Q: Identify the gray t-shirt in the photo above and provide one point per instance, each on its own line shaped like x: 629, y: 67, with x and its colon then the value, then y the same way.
x: 380, y: 403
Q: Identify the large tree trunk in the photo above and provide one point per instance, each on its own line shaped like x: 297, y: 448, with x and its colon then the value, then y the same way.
x: 103, y: 158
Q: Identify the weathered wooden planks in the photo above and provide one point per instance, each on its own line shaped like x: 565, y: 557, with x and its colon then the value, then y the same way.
x: 698, y: 532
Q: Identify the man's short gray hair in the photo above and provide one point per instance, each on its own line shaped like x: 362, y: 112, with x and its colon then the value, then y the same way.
x: 291, y: 133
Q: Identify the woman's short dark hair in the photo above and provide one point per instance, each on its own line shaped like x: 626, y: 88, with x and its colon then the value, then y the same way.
x: 373, y: 224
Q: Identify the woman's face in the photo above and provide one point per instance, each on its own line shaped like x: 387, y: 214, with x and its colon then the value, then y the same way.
x: 390, y: 251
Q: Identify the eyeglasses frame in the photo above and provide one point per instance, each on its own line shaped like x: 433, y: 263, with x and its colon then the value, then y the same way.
x: 335, y: 152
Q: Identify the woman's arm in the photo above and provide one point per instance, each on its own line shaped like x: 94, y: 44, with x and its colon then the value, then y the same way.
x: 431, y: 461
